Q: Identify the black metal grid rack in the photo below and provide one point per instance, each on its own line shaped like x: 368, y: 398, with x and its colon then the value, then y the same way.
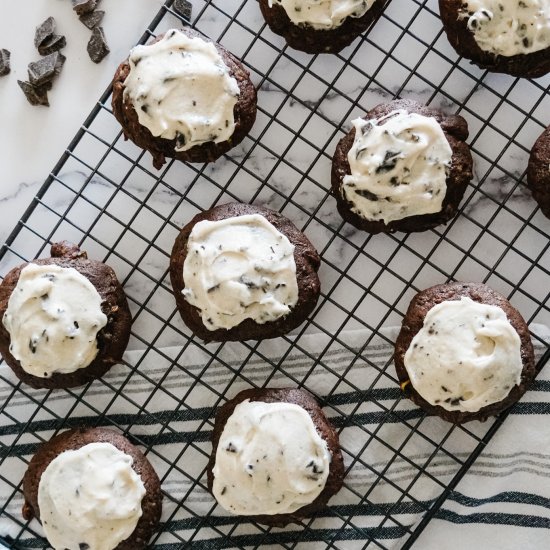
x: 104, y: 194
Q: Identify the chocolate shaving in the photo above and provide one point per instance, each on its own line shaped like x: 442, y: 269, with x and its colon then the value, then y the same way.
x: 183, y: 8
x: 36, y: 95
x: 366, y: 129
x: 369, y: 195
x: 44, y: 32
x: 84, y: 6
x: 389, y: 162
x: 92, y: 19
x: 54, y: 44
x: 4, y: 62
x: 97, y: 46
x: 45, y: 69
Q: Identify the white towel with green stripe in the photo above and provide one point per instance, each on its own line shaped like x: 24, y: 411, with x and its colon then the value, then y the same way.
x: 399, y: 461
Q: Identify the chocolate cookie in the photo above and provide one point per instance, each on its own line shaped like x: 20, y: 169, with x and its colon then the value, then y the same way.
x: 323, y: 427
x: 307, y: 264
x: 413, y: 322
x: 310, y: 40
x: 151, y: 504
x: 112, y: 339
x: 244, y: 113
x: 538, y: 172
x: 455, y: 130
x: 455, y: 16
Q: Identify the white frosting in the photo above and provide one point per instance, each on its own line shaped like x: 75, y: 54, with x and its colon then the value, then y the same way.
x: 239, y: 268
x: 323, y: 14
x: 53, y: 317
x: 509, y: 27
x: 90, y: 498
x: 270, y: 460
x: 466, y: 356
x: 181, y: 88
x: 399, y: 165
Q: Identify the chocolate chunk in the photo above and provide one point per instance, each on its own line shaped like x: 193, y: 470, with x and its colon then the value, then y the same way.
x: 4, y: 62
x: 183, y: 8
x: 54, y: 44
x: 369, y: 195
x: 97, y: 46
x: 92, y: 19
x: 47, y: 86
x: 44, y: 32
x: 36, y: 95
x: 84, y: 6
x: 46, y: 69
x: 389, y: 162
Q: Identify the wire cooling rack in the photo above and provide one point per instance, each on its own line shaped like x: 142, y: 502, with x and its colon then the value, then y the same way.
x: 104, y: 194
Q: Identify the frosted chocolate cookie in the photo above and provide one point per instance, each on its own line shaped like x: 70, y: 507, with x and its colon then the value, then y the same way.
x: 65, y: 319
x: 538, y: 172
x: 92, y: 489
x: 184, y: 96
x: 463, y: 353
x: 503, y: 36
x: 320, y: 26
x: 403, y: 167
x: 243, y: 272
x: 276, y: 458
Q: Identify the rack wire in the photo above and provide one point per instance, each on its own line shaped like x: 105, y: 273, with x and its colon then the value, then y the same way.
x: 104, y: 194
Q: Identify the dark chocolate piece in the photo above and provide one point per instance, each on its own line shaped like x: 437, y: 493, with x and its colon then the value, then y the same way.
x: 111, y: 339
x: 183, y: 8
x: 45, y: 69
x: 414, y: 321
x: 84, y: 6
x: 97, y: 46
x: 4, y: 62
x: 307, y: 264
x: 44, y: 32
x: 160, y: 148
x: 92, y: 19
x: 54, y: 44
x: 151, y: 505
x: 36, y: 95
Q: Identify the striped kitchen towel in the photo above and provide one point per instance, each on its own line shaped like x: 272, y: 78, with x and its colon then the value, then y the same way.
x: 398, y: 460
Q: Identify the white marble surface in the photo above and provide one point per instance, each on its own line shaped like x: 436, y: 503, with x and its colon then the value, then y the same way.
x: 33, y: 138
x: 315, y: 98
